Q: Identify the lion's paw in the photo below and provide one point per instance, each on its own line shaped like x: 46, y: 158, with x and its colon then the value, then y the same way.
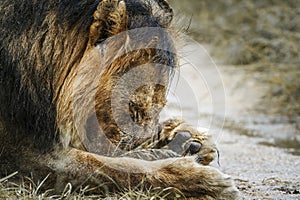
x: 196, y: 180
x: 185, y: 140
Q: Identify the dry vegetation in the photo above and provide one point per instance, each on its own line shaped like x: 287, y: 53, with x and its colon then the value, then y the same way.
x: 260, y: 36
x: 26, y: 189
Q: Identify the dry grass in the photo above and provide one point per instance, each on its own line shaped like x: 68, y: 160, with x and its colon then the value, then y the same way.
x: 27, y: 189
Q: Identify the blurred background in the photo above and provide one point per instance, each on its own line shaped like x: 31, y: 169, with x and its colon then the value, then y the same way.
x: 256, y: 46
x: 258, y: 36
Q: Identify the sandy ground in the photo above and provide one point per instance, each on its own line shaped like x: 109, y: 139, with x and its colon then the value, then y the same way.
x: 224, y: 99
x: 261, y: 172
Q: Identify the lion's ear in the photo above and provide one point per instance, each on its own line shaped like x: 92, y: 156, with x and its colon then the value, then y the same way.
x: 110, y: 18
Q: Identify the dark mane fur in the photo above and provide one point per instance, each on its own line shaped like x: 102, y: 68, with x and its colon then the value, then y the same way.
x: 33, y: 52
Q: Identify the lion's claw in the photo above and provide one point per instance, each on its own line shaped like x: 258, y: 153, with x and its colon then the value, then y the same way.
x: 182, y: 144
x: 191, y: 148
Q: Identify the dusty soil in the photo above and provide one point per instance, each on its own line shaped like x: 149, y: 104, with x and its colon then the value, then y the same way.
x: 261, y: 152
x: 251, y: 143
x: 255, y: 49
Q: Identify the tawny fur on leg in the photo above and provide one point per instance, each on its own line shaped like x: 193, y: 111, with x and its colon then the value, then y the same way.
x: 193, y: 179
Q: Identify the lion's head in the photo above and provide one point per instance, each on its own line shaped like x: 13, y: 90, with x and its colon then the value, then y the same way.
x: 114, y: 96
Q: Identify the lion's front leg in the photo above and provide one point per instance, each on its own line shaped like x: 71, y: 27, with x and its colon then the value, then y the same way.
x: 193, y: 179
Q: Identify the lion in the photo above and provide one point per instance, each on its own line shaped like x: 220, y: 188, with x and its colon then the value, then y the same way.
x: 82, y: 86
